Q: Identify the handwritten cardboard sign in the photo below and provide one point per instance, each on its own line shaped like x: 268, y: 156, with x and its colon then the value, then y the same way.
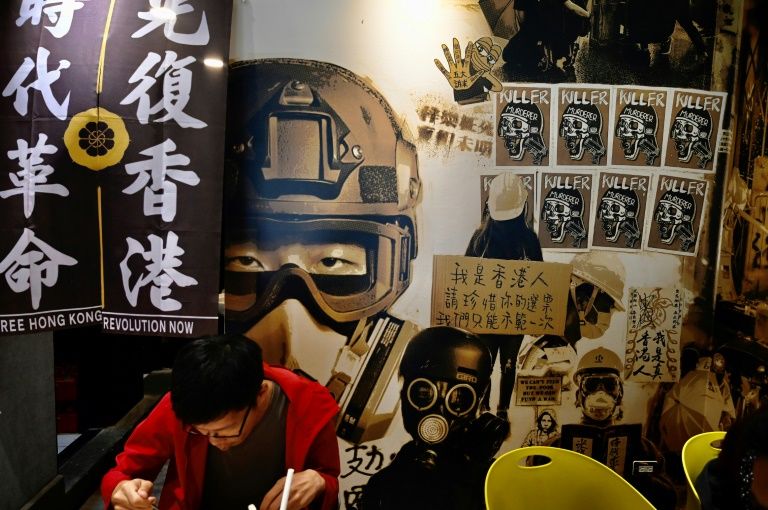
x: 517, y: 297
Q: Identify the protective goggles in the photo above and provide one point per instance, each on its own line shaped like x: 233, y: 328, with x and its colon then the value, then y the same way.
x: 459, y: 399
x: 342, y: 269
x: 610, y: 383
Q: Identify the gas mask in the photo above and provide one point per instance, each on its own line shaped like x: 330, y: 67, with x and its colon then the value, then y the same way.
x: 435, y: 408
x: 674, y: 218
x: 600, y: 395
x: 618, y: 213
x: 445, y: 372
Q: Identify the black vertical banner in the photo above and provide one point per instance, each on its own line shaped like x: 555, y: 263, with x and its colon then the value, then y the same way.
x: 49, y: 235
x: 111, y: 131
x: 165, y: 77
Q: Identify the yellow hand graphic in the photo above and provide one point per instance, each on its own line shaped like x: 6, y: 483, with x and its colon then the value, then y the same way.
x: 458, y: 72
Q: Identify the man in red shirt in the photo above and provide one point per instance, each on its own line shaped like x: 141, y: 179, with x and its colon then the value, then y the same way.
x: 230, y: 427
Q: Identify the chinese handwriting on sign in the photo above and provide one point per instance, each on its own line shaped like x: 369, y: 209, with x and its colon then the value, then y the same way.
x: 499, y: 296
x: 653, y: 334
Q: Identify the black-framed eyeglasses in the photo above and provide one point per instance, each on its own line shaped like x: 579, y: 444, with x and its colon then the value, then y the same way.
x: 215, y: 435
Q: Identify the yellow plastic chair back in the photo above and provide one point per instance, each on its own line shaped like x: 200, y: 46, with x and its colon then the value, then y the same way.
x: 569, y: 481
x: 697, y: 451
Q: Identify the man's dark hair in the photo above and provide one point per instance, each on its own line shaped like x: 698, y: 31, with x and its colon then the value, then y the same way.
x: 215, y: 375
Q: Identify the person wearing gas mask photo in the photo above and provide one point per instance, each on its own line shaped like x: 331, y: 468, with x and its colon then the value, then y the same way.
x: 504, y: 234
x: 445, y: 372
x: 319, y: 228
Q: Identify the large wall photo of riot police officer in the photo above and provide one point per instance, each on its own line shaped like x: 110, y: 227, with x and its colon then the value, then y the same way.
x: 368, y: 142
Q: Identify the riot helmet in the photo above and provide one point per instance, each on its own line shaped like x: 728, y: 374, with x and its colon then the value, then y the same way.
x: 319, y: 164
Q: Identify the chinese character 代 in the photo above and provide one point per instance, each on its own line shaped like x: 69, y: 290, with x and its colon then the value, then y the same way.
x: 45, y: 79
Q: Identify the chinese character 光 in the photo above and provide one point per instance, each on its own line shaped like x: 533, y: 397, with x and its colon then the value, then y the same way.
x: 45, y: 79
x: 33, y: 176
x: 59, y: 12
x: 160, y: 195
x: 30, y: 270
x: 177, y: 85
x: 161, y: 272
x: 163, y: 13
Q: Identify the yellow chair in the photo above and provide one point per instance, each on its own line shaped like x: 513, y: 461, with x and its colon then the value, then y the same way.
x: 697, y: 451
x: 569, y: 481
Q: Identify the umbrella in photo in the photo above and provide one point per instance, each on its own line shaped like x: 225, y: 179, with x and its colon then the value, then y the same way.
x: 692, y: 406
x: 501, y: 17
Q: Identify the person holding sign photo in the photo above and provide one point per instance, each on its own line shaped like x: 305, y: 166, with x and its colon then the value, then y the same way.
x: 504, y: 234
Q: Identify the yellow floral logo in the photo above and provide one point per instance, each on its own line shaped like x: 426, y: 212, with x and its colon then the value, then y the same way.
x: 96, y: 138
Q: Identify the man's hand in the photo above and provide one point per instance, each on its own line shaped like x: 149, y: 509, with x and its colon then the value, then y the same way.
x: 133, y: 494
x: 458, y: 71
x: 305, y: 487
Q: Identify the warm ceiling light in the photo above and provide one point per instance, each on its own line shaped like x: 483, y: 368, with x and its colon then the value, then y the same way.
x: 213, y: 62
x: 163, y: 13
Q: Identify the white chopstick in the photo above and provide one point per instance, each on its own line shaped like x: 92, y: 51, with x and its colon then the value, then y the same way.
x: 286, y: 489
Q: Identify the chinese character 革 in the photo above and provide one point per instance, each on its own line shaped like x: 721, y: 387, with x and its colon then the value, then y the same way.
x: 33, y: 176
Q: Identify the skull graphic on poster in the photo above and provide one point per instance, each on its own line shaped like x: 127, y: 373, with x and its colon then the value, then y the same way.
x: 691, y: 132
x: 636, y: 130
x: 580, y: 129
x: 674, y: 216
x: 521, y: 125
x: 618, y: 212
x: 563, y: 213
